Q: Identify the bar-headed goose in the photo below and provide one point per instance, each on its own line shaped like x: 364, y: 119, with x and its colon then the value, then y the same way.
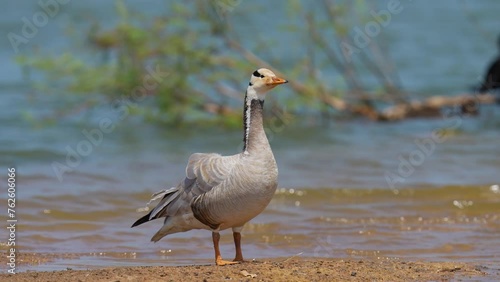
x: 221, y: 192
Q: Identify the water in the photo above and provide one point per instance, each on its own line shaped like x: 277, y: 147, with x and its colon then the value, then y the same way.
x: 334, y: 199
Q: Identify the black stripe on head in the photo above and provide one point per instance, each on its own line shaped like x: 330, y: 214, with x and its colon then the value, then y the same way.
x: 257, y: 74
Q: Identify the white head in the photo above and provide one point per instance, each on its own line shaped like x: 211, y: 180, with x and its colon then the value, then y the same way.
x: 261, y: 81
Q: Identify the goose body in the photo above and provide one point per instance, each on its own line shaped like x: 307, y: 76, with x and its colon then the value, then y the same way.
x: 221, y: 192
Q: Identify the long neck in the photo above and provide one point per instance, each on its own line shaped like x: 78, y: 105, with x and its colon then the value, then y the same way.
x: 254, y: 134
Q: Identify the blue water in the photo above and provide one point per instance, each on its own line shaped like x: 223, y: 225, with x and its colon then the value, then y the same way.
x: 438, y: 48
x: 443, y: 54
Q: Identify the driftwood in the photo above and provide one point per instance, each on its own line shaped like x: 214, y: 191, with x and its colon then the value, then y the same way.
x: 428, y: 108
x: 433, y: 106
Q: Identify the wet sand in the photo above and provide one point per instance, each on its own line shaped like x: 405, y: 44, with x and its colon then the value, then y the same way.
x: 286, y: 269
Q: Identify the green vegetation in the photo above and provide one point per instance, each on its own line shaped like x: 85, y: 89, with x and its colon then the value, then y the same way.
x: 207, y: 63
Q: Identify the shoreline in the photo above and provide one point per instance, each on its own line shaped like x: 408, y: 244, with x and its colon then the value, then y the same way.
x: 276, y: 269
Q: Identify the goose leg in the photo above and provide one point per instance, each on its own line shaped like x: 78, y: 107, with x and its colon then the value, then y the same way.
x: 237, y: 245
x: 218, y: 257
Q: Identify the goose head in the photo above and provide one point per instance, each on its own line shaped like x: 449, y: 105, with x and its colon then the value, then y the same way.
x: 263, y: 80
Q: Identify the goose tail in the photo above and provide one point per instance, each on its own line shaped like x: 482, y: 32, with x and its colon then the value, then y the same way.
x: 166, y: 199
x: 141, y: 220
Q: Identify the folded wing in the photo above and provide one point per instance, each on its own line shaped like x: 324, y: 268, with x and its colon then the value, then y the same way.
x: 203, y: 173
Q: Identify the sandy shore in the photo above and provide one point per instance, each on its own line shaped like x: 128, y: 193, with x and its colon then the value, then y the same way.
x: 291, y: 269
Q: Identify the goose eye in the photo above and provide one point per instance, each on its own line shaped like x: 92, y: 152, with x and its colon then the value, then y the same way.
x: 257, y: 74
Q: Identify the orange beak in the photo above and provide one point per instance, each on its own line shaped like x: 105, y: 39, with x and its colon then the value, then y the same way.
x: 277, y: 81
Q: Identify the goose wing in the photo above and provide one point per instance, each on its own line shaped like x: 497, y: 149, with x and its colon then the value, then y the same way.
x: 203, y: 173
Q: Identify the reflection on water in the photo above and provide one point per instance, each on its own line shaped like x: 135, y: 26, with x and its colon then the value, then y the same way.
x: 453, y: 222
